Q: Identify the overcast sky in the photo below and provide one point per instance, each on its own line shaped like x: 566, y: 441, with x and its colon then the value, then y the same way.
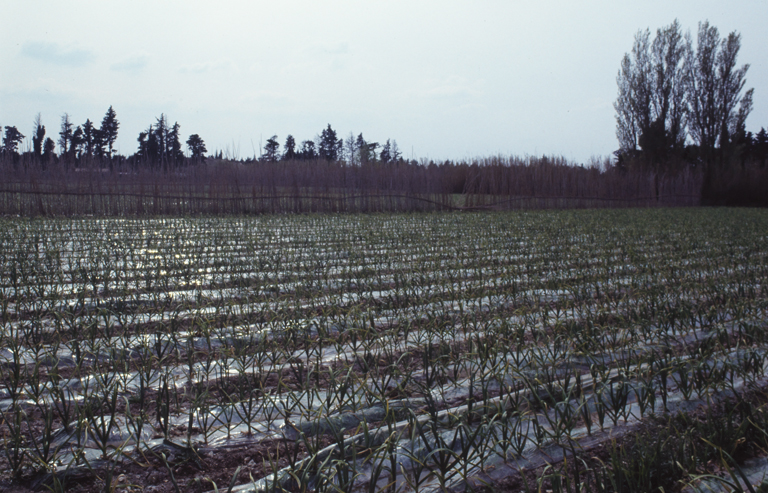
x: 446, y: 79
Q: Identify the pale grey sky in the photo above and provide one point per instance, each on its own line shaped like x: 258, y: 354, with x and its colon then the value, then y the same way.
x: 447, y: 79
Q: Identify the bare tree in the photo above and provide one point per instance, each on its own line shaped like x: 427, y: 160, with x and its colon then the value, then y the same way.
x: 651, y: 107
x: 668, y: 54
x: 634, y: 100
x: 715, y: 85
x: 395, y: 152
x: 350, y: 150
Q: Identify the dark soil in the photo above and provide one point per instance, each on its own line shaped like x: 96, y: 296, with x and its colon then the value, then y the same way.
x: 666, y: 435
x: 192, y: 472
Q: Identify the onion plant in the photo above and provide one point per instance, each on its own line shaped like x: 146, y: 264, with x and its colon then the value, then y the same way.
x: 423, y: 348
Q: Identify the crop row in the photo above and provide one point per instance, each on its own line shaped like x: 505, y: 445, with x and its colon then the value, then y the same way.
x: 386, y: 353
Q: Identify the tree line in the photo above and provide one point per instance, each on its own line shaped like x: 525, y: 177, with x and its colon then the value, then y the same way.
x: 88, y: 145
x: 681, y: 111
x: 329, y: 147
x: 160, y: 148
x: 683, y: 103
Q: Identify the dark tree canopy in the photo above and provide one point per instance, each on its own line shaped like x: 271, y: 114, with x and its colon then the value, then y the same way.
x: 38, y: 137
x: 289, y: 152
x: 49, y: 149
x: 330, y: 146
x: 12, y: 139
x: 670, y: 90
x: 160, y: 145
x: 385, y: 156
x: 99, y: 143
x: 175, y: 154
x: 271, y: 150
x: 651, y: 107
x: 365, y: 150
x: 109, y: 126
x: 88, y: 137
x: 718, y: 108
x: 65, y: 135
x: 308, y: 150
x: 78, y: 139
x: 196, y: 147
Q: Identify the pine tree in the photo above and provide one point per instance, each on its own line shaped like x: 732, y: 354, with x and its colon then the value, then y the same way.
x: 49, y: 148
x: 88, y: 138
x: 158, y: 144
x: 330, y: 145
x: 173, y: 146
x: 360, y: 148
x: 366, y: 150
x: 11, y: 140
x: 65, y: 136
x: 761, y: 147
x: 386, y: 155
x: 38, y: 136
x: 290, y: 148
x: 76, y: 144
x: 196, y: 147
x: 271, y: 150
x: 308, y: 150
x: 98, y: 143
x: 109, y: 126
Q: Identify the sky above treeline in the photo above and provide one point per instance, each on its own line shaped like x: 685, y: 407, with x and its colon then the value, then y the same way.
x: 446, y: 79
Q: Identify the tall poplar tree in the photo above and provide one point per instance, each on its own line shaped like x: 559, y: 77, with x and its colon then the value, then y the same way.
x: 719, y: 106
x: 651, y: 107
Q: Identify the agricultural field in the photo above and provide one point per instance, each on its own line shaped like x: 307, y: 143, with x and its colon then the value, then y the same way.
x: 612, y: 350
